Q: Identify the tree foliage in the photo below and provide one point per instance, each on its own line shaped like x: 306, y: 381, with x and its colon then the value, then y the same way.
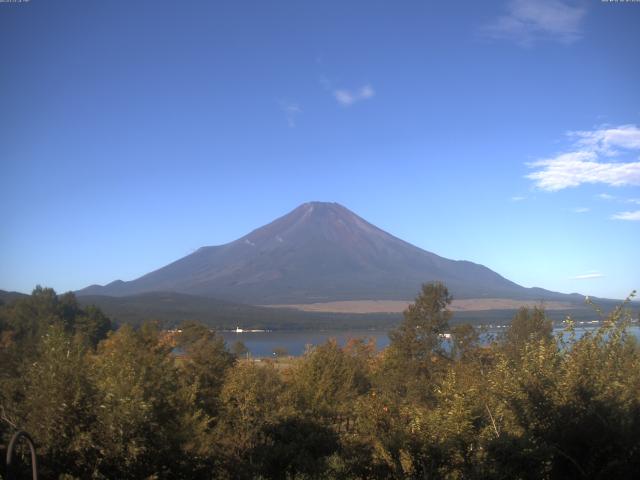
x: 416, y: 354
x: 144, y: 403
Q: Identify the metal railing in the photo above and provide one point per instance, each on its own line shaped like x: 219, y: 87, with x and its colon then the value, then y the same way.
x: 34, y: 459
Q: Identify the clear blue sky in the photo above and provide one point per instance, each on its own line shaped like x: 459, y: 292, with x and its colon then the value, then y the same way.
x: 506, y: 133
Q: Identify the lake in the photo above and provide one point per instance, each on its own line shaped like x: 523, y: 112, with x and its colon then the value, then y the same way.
x: 263, y: 344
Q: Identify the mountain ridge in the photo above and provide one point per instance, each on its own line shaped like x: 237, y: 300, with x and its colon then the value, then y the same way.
x: 319, y: 252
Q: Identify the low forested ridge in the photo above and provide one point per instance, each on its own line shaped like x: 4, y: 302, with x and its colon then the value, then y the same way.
x: 171, y: 309
x: 103, y: 403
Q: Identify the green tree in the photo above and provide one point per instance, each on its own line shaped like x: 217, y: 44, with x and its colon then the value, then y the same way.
x: 327, y: 381
x: 416, y: 350
x: 239, y: 349
x: 252, y: 400
x: 204, y: 364
x: 29, y: 318
x: 569, y: 412
x: 295, y: 447
x: 92, y: 325
x: 465, y: 341
x: 527, y: 326
x: 138, y: 419
x: 58, y: 405
x: 425, y: 320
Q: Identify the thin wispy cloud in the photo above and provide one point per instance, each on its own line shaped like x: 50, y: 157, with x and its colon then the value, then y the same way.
x: 580, y: 210
x: 587, y: 276
x: 585, y: 163
x: 605, y: 196
x: 611, y: 198
x: 528, y: 21
x: 291, y: 112
x: 633, y: 216
x: 349, y: 97
x: 325, y: 82
x: 518, y: 198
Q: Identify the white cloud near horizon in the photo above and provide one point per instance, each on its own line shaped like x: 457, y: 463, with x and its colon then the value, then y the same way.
x: 584, y: 164
x: 527, y: 21
x: 349, y: 97
x: 628, y: 216
x: 587, y: 276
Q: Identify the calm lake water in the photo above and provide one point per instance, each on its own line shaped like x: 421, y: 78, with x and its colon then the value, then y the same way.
x: 263, y: 344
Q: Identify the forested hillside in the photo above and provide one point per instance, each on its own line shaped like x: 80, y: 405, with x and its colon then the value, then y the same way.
x: 122, y: 404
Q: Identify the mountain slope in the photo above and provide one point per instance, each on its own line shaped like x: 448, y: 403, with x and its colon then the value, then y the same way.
x: 318, y: 252
x: 10, y: 297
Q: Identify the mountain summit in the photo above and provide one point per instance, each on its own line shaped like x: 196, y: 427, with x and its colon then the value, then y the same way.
x: 316, y: 253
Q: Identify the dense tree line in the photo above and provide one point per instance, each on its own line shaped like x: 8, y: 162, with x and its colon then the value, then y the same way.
x: 104, y: 403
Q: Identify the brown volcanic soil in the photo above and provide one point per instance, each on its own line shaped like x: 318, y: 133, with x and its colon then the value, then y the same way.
x: 398, y: 306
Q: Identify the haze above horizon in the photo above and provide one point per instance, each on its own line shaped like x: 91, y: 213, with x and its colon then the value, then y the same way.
x: 505, y: 133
